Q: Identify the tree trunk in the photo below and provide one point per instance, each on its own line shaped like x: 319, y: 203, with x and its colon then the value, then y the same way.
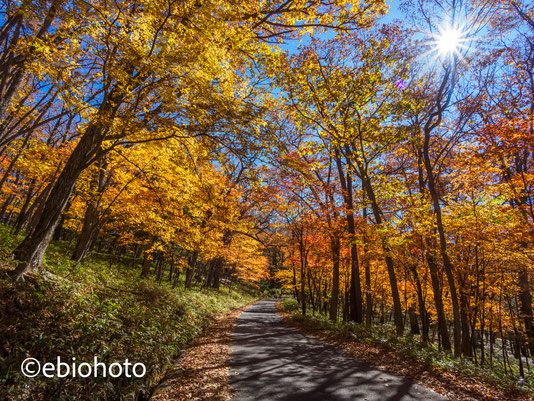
x: 525, y: 298
x: 36, y: 210
x: 433, y: 268
x: 438, y: 299
x: 414, y: 326
x: 217, y: 272
x: 368, y: 295
x: 147, y: 261
x: 397, y: 307
x: 302, y: 272
x: 335, y: 247
x: 91, y: 221
x: 356, y: 302
x: 361, y: 170
x: 209, y: 276
x: 23, y: 211
x: 30, y: 252
x: 464, y: 315
x: 421, y: 304
x: 191, y: 263
x: 295, y: 286
x: 444, y: 255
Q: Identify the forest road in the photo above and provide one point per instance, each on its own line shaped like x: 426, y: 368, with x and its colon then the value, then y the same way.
x: 272, y: 361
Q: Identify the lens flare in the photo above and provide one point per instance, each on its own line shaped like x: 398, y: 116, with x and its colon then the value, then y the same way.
x: 449, y: 41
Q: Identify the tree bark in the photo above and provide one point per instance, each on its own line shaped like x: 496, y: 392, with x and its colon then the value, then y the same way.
x: 191, y: 263
x: 335, y: 247
x: 443, y: 246
x: 30, y: 252
x: 397, y: 307
x: 217, y: 272
x: 147, y: 261
x: 303, y: 264
x: 414, y: 326
x: 438, y: 299
x: 91, y: 220
x: 525, y: 298
x: 421, y: 305
x: 464, y: 315
x: 434, y: 275
x: 356, y: 302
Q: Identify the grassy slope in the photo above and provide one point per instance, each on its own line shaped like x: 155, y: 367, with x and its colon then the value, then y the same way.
x: 95, y: 309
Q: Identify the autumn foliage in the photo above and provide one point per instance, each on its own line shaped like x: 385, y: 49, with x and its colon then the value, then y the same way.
x: 316, y: 144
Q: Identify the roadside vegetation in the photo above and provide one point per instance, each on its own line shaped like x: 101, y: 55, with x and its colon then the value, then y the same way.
x: 98, y: 308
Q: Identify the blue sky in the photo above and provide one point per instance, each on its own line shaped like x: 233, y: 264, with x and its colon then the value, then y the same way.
x: 393, y: 15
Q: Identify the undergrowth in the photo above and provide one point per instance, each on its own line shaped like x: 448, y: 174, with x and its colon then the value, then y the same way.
x: 96, y: 309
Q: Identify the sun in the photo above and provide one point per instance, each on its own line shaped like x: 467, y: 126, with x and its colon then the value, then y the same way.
x: 448, y: 41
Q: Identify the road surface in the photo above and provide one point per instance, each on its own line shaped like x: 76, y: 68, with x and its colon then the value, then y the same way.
x: 271, y: 361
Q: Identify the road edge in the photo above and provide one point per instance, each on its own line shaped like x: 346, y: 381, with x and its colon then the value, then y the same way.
x: 202, y: 372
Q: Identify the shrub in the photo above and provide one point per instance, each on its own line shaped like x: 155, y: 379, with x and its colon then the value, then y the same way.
x: 290, y: 305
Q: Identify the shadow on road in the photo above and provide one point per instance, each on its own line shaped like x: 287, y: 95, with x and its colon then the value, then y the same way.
x: 272, y: 361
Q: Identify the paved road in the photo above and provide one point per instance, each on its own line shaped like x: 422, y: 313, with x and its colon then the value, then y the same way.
x: 272, y: 361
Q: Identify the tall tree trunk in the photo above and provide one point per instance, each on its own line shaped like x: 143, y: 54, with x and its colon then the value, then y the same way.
x: 217, y: 272
x: 414, y: 326
x: 295, y: 286
x: 36, y: 209
x: 421, y: 304
x: 433, y: 268
x: 356, y: 302
x: 443, y: 248
x: 23, y: 211
x: 368, y: 294
x: 209, y: 276
x: 438, y: 299
x: 335, y: 247
x: 30, y: 252
x: 303, y: 256
x: 91, y: 220
x: 362, y: 172
x: 147, y: 261
x: 397, y: 307
x: 191, y: 263
x: 525, y: 298
x: 435, y: 117
x: 464, y: 315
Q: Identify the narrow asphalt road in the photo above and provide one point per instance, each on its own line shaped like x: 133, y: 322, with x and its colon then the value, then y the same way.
x: 272, y: 361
